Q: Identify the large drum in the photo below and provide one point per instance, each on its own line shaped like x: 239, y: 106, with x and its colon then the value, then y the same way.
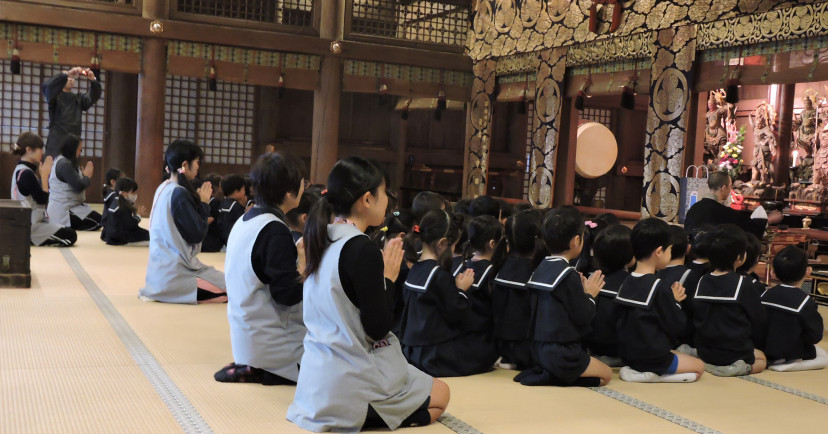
x: 595, y: 151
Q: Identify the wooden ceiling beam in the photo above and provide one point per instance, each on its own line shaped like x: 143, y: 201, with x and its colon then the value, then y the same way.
x: 133, y: 25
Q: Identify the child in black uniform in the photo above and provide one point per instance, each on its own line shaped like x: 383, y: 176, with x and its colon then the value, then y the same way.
x: 212, y: 241
x: 458, y: 255
x: 727, y: 312
x: 676, y: 271
x: 564, y: 310
x: 613, y: 254
x: 752, y: 253
x: 233, y: 205
x: 794, y: 323
x: 485, y: 251
x: 439, y: 334
x: 511, y: 303
x: 120, y: 218
x: 296, y: 217
x: 111, y: 175
x: 650, y: 318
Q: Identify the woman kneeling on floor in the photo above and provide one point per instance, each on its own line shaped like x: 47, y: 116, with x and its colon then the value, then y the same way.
x: 264, y: 281
x: 354, y: 374
x: 68, y: 184
x: 178, y: 223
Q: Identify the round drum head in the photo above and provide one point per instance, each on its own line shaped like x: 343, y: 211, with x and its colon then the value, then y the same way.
x: 596, y: 150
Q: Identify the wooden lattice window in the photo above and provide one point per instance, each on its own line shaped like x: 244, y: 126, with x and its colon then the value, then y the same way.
x: 289, y: 12
x: 530, y: 117
x: 26, y: 109
x: 602, y: 116
x: 445, y: 23
x: 219, y: 121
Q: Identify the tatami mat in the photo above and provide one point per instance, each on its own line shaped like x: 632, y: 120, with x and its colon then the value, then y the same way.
x: 64, y: 369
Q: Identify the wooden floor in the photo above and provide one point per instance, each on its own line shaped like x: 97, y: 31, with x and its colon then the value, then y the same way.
x: 66, y: 366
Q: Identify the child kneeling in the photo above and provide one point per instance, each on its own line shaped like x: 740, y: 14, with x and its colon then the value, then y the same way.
x: 120, y: 217
x: 794, y: 323
x: 650, y: 318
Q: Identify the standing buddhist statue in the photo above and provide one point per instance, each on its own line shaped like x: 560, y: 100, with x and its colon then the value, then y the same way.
x: 821, y: 158
x: 764, y: 146
x: 719, y: 114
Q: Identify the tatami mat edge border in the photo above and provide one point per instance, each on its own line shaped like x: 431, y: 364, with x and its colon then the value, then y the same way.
x: 786, y: 389
x: 656, y: 411
x: 457, y: 425
x: 182, y: 410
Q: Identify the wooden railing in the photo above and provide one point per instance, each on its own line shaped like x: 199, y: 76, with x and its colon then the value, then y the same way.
x: 294, y: 16
x: 440, y: 24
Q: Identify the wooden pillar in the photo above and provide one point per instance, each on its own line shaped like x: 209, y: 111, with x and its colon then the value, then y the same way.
x: 122, y: 106
x: 326, y: 99
x: 781, y: 167
x: 565, y: 162
x: 149, y: 150
x: 402, y: 142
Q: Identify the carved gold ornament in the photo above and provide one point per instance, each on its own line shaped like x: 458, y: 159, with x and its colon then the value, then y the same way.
x: 671, y: 94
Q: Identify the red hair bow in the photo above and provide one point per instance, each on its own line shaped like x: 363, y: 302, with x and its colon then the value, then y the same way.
x: 416, y: 229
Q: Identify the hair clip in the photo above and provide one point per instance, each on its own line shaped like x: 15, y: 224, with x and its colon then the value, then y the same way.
x: 396, y: 213
x: 384, y: 229
x: 181, y: 170
x: 591, y: 224
x: 416, y: 229
x: 324, y: 192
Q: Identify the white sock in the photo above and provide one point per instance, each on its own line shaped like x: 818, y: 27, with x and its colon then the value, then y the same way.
x: 633, y: 376
x: 686, y: 377
x: 819, y: 362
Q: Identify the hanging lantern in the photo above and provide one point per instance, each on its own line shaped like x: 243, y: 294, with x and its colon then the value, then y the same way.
x: 15, y: 61
x: 384, y: 98
x: 212, y: 82
x: 281, y: 85
x: 405, y: 110
x: 582, y: 93
x: 441, y: 100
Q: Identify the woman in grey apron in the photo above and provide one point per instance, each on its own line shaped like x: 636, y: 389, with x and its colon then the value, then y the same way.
x: 354, y: 374
x: 67, y: 185
x: 178, y: 223
x: 28, y: 183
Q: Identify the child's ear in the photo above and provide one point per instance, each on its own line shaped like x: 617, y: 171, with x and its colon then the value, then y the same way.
x: 808, y: 271
x: 492, y: 244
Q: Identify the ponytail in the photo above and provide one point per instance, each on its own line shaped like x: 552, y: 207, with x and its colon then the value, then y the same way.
x: 177, y: 153
x: 316, y: 234
x: 412, y: 244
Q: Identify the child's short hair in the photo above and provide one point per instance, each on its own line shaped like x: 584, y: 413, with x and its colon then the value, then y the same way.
x: 790, y: 265
x: 483, y: 229
x: 461, y: 207
x: 231, y: 184
x: 725, y: 244
x: 273, y: 176
x: 699, y: 241
x: 463, y: 224
x: 396, y: 222
x: 435, y: 225
x: 485, y: 205
x: 126, y: 184
x: 648, y: 235
x: 753, y: 249
x: 426, y: 201
x: 522, y: 231
x: 679, y: 241
x: 215, y: 180
x: 309, y: 197
x: 559, y: 227
x: 505, y: 209
x: 609, y: 218
x: 521, y: 206
x: 613, y: 248
x: 112, y: 174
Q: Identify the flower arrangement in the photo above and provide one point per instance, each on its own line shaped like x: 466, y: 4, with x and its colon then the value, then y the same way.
x: 730, y: 157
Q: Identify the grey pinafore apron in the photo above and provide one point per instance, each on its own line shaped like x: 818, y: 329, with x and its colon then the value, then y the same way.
x: 343, y: 369
x: 42, y: 229
x: 263, y: 333
x: 173, y: 267
x: 64, y: 199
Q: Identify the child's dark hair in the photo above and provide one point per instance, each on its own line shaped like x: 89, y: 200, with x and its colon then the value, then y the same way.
x: 463, y: 222
x: 215, y: 180
x: 726, y: 244
x: 272, y: 176
x: 592, y: 228
x: 128, y: 185
x: 231, y: 184
x: 348, y: 181
x: 483, y: 229
x: 25, y: 140
x: 790, y: 265
x: 249, y: 191
x: 523, y: 235
x: 753, y: 249
x: 521, y: 206
x: 699, y: 241
x: 435, y: 225
x: 679, y: 241
x: 559, y: 227
x: 69, y: 149
x: 461, y: 207
x: 505, y: 209
x: 309, y: 197
x: 608, y: 218
x: 485, y: 205
x: 397, y: 222
x: 426, y: 201
x: 613, y: 248
x: 648, y: 235
x: 112, y: 174
x: 179, y: 152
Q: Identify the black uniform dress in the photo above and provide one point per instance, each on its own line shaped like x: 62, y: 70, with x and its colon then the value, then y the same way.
x: 729, y: 319
x: 120, y: 224
x: 603, y: 340
x: 456, y: 265
x: 435, y: 329
x: 480, y: 295
x: 512, y: 309
x: 229, y: 211
x: 563, y: 315
x: 212, y: 241
x: 65, y: 110
x: 757, y: 283
x: 649, y: 323
x: 689, y: 278
x: 794, y: 324
x: 710, y: 212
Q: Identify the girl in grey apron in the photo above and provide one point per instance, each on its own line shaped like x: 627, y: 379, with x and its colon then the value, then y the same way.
x: 348, y: 379
x: 174, y: 273
x: 26, y: 185
x: 66, y: 197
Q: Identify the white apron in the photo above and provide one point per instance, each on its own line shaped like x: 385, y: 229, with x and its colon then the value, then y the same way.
x: 42, y: 229
x: 64, y: 199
